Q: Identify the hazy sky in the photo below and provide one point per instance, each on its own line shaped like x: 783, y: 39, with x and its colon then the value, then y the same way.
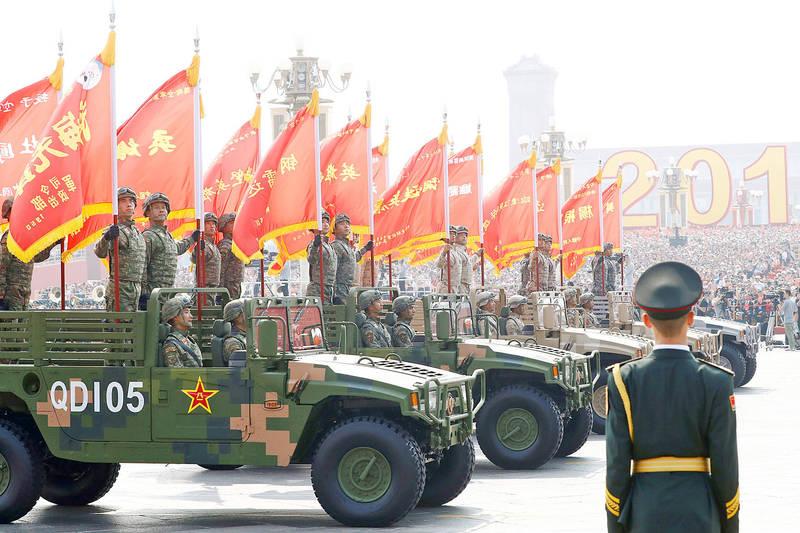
x: 630, y: 73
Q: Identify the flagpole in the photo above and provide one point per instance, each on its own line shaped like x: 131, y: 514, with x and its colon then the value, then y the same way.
x: 370, y: 185
x: 114, y: 181
x: 446, y: 199
x: 198, y: 187
x: 600, y: 209
x: 535, y: 218
x: 480, y: 207
x: 318, y: 188
x: 619, y: 208
x: 254, y: 79
x: 64, y: 240
x: 560, y: 220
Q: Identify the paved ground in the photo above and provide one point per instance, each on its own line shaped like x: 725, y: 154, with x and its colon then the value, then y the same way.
x: 565, y: 495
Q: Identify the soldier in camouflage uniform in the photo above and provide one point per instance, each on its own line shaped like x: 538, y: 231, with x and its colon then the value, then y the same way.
x: 514, y: 323
x: 211, y: 257
x: 132, y: 254
x: 16, y: 276
x: 589, y: 319
x: 161, y: 250
x: 237, y: 340
x: 572, y: 312
x: 346, y: 258
x: 232, y: 272
x: 373, y: 333
x: 402, y: 332
x: 607, y: 264
x: 469, y: 263
x: 179, y: 349
x: 486, y: 303
x: 540, y: 258
x: 456, y: 264
x: 329, y: 261
x: 525, y: 275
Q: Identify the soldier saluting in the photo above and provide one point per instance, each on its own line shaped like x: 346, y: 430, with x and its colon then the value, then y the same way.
x: 684, y: 474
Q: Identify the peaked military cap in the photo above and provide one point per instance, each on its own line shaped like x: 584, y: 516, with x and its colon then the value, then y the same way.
x: 484, y: 297
x: 668, y: 290
x: 341, y: 217
x: 516, y: 301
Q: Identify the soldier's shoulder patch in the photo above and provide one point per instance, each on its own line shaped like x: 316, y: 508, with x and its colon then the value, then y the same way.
x: 609, y: 368
x: 733, y: 403
x: 369, y: 334
x: 709, y: 363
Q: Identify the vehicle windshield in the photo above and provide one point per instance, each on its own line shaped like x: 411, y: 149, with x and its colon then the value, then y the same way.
x: 305, y: 323
x: 460, y: 316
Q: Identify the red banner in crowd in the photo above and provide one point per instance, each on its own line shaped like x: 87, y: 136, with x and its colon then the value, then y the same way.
x: 612, y: 225
x: 580, y: 225
x: 547, y: 197
x: 380, y: 172
x: 155, y: 153
x: 23, y: 115
x: 282, y: 194
x: 410, y: 214
x: 226, y: 182
x: 67, y: 177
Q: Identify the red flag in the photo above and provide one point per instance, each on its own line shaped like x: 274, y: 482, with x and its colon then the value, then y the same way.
x: 380, y: 172
x: 612, y: 223
x: 67, y: 177
x: 581, y: 227
x: 282, y: 195
x: 463, y: 173
x: 226, y: 182
x: 548, y: 205
x: 155, y: 153
x: 23, y: 114
x: 411, y: 213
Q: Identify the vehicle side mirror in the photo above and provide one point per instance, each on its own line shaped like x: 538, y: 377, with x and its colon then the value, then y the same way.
x: 268, y: 338
x: 443, y: 326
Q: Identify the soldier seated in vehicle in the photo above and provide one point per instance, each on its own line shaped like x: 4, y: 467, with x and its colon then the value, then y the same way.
x: 373, y: 333
x: 179, y: 349
x: 588, y: 318
x: 516, y: 306
x: 402, y: 332
x: 237, y: 339
x: 486, y: 303
x: 572, y: 312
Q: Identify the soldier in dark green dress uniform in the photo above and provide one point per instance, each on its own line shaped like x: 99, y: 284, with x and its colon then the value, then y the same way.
x: 671, y: 457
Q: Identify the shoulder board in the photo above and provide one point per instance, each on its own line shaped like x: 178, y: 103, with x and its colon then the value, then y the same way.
x: 621, y: 363
x: 709, y: 363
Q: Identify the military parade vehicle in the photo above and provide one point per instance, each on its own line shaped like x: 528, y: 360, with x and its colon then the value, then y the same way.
x: 537, y: 398
x: 83, y: 391
x: 736, y: 342
x: 545, y: 325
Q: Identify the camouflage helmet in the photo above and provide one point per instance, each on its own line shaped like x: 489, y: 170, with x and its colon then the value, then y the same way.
x: 516, y: 301
x: 325, y: 215
x: 401, y: 303
x: 462, y: 229
x: 367, y: 298
x: 233, y: 309
x: 483, y: 298
x: 341, y: 217
x: 570, y: 294
x: 226, y: 219
x: 453, y: 229
x: 153, y: 198
x: 586, y: 297
x: 173, y: 306
x: 608, y: 246
x: 127, y: 192
x: 7, y: 207
x: 211, y: 216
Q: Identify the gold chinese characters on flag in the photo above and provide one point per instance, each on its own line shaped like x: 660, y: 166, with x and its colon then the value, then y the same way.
x: 612, y: 214
x: 581, y: 225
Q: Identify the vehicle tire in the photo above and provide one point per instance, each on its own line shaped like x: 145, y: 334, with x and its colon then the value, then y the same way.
x: 447, y: 477
x: 221, y: 467
x: 751, y: 364
x: 519, y: 427
x: 368, y: 472
x: 737, y: 363
x: 599, y: 392
x: 576, y: 430
x: 21, y: 472
x: 74, y: 483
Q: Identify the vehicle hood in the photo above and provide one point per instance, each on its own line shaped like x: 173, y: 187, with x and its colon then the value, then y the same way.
x: 540, y: 353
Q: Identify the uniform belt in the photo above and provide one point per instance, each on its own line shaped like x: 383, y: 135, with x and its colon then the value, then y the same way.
x: 672, y: 464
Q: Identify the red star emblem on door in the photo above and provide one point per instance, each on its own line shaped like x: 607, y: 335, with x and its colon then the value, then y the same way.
x: 199, y: 396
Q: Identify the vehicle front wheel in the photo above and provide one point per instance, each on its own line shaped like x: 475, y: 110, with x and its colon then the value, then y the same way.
x: 75, y: 483
x: 751, y: 365
x: 736, y: 361
x: 448, y: 476
x: 519, y: 427
x: 599, y: 405
x: 576, y: 431
x: 368, y: 472
x: 21, y: 472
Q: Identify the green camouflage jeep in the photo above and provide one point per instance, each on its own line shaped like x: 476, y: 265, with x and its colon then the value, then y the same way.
x: 82, y: 391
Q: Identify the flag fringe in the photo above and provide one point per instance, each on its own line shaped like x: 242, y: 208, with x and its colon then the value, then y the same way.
x: 109, y: 54
x: 57, y: 77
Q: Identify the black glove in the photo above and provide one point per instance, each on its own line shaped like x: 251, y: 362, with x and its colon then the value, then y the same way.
x: 202, y: 244
x: 3, y: 304
x: 111, y: 233
x: 370, y: 244
x: 143, y: 302
x: 195, y: 235
x: 317, y: 239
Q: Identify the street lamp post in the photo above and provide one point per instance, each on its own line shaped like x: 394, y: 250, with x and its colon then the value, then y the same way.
x: 672, y: 182
x: 552, y: 145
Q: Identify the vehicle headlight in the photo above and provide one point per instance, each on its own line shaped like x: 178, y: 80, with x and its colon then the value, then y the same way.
x: 433, y: 397
x: 566, y: 372
x: 464, y: 391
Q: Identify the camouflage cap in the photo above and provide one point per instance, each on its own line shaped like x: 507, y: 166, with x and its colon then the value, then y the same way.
x: 462, y: 229
x: 586, y: 297
x: 212, y: 216
x: 608, y: 246
x: 226, y: 219
x: 341, y: 217
x: 127, y: 192
x: 173, y: 306
x: 401, y: 303
x: 325, y: 215
x: 7, y: 207
x: 516, y: 301
x: 153, y: 198
x: 233, y: 309
x: 570, y: 294
x: 483, y: 298
x: 366, y: 298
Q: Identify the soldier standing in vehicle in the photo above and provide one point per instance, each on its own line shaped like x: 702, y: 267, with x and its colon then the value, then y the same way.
x: 211, y: 256
x: 540, y: 259
x: 373, y: 333
x: 514, y: 323
x: 232, y: 270
x: 456, y: 264
x: 587, y: 317
x: 132, y: 254
x: 346, y: 258
x: 161, y: 250
x: 572, y: 313
x: 402, y: 332
x: 233, y: 312
x: 179, y: 349
x: 329, y: 262
x: 16, y: 276
x: 668, y: 488
x: 487, y: 321
x: 605, y: 264
x: 469, y: 263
